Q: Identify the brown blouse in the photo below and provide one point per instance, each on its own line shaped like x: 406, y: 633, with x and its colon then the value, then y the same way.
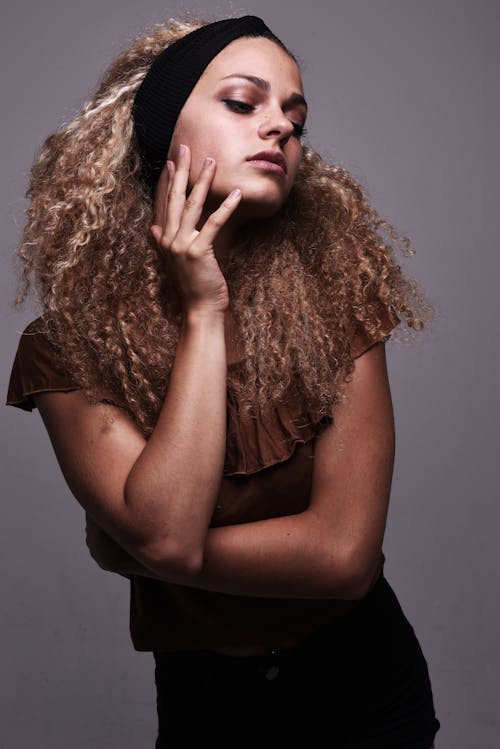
x: 267, y: 473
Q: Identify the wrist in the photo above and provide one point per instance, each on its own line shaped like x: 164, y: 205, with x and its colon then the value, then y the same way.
x: 205, y: 317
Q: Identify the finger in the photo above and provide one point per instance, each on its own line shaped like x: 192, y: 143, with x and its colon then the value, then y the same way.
x: 193, y: 206
x: 156, y: 231
x: 160, y: 195
x: 171, y: 172
x: 177, y: 194
x: 217, y: 219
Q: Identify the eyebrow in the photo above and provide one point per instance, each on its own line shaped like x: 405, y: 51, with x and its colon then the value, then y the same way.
x: 264, y: 85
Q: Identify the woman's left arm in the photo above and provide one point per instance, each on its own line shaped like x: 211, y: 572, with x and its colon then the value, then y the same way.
x: 340, y: 534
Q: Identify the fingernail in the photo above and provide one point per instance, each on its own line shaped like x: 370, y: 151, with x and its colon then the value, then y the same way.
x: 182, y: 150
x: 234, y: 195
x: 208, y: 162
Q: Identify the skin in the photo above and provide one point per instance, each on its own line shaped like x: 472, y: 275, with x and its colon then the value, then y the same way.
x: 153, y: 500
x: 239, y: 119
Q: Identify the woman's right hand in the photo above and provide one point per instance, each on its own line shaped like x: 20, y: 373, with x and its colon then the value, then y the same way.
x: 188, y: 252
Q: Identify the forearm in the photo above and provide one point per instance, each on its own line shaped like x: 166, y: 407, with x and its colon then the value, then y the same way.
x: 285, y: 557
x: 334, y: 548
x: 174, y: 483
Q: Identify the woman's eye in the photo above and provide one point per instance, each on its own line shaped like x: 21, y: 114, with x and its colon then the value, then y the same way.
x: 244, y: 108
x: 299, y: 130
x: 238, y: 106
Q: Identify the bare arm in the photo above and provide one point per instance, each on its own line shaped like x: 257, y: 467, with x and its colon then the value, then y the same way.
x: 156, y: 494
x: 156, y: 498
x: 333, y: 549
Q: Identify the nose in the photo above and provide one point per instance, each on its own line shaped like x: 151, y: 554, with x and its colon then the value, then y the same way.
x: 275, y: 124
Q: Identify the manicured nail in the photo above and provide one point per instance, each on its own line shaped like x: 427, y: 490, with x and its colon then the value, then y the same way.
x: 234, y: 195
x: 208, y: 162
x: 182, y: 150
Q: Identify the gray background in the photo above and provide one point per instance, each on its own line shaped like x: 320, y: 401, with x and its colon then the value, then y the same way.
x: 405, y: 95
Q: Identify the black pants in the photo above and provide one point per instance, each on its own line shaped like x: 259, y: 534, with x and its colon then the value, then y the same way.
x: 361, y: 682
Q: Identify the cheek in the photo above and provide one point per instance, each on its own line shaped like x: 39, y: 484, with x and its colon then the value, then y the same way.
x: 295, y: 164
x: 203, y: 145
x: 226, y: 160
x: 187, y: 132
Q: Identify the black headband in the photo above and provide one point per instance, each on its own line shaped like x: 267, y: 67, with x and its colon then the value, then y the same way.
x: 171, y: 78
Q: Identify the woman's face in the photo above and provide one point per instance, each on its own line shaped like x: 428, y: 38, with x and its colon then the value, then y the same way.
x: 249, y: 100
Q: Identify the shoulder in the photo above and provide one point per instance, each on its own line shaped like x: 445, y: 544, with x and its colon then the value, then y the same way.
x: 37, y: 368
x: 363, y: 337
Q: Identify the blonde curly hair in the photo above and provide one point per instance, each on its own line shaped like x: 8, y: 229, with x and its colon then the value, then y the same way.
x: 301, y: 282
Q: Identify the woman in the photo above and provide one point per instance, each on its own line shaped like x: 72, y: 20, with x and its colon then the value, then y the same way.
x: 210, y: 368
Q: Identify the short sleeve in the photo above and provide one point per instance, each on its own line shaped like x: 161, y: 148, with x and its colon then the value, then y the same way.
x: 362, y: 340
x: 36, y: 369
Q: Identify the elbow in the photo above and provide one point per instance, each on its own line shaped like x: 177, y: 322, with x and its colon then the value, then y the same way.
x: 360, y: 576
x: 170, y: 554
x: 170, y: 560
x: 347, y: 579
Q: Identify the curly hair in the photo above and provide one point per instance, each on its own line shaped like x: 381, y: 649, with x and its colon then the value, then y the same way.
x: 301, y: 282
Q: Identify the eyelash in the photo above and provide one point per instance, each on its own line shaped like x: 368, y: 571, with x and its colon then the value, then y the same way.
x: 244, y: 108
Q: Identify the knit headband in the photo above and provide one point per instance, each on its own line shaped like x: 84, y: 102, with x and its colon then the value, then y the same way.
x: 171, y: 78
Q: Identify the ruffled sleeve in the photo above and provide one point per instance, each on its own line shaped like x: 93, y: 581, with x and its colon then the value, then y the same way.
x: 362, y: 340
x: 36, y: 369
x: 257, y: 443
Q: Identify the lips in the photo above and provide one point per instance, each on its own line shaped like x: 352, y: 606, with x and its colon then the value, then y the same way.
x: 273, y: 157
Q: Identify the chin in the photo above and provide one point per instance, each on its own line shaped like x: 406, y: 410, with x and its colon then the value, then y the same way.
x: 260, y: 205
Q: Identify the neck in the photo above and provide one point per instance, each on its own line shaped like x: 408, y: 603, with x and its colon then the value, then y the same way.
x: 224, y: 243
